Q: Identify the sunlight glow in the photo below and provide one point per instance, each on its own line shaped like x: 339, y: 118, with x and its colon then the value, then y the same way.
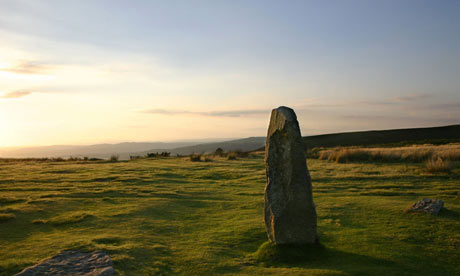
x: 70, y: 76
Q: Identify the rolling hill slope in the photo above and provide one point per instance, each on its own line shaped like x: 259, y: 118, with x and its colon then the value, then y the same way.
x: 442, y: 134
x: 246, y: 144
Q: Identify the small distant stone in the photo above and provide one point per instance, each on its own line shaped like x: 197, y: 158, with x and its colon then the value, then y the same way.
x: 74, y: 263
x: 427, y: 205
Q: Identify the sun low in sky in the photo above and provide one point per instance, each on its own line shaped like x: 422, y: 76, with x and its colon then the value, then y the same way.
x: 84, y: 72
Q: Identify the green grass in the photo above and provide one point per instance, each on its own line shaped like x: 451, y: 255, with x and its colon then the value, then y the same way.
x: 172, y: 216
x: 6, y: 217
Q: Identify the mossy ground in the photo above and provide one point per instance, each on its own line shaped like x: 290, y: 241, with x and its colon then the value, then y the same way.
x: 172, y: 216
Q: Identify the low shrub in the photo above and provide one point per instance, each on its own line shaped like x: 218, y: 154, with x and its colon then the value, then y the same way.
x: 114, y: 158
x: 71, y: 158
x: 156, y: 154
x: 95, y: 159
x: 134, y: 157
x: 195, y: 157
x: 219, y: 152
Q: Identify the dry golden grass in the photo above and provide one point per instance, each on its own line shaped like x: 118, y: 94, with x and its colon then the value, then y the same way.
x: 415, y: 153
x: 438, y: 165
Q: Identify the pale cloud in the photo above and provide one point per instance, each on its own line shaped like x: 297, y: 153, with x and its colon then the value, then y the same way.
x: 224, y: 113
x: 412, y: 97
x: 382, y: 102
x: 15, y: 94
x: 27, y: 67
x: 452, y: 106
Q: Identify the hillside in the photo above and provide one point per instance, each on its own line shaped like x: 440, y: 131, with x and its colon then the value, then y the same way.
x: 380, y: 137
x: 246, y: 144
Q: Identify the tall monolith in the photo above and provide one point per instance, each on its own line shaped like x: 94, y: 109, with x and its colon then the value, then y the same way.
x: 290, y: 215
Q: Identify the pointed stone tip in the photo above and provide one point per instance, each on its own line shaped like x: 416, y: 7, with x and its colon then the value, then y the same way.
x: 287, y: 112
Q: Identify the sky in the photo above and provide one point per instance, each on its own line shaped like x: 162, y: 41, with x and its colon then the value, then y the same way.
x: 107, y: 71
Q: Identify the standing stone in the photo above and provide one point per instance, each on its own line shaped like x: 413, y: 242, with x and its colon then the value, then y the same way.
x: 290, y: 215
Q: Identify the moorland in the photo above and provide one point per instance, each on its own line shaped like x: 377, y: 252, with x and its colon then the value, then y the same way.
x: 169, y: 215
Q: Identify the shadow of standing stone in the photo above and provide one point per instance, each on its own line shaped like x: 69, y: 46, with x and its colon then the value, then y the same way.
x: 290, y: 215
x: 74, y: 263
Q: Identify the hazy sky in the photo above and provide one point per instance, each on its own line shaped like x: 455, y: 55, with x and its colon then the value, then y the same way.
x: 82, y: 72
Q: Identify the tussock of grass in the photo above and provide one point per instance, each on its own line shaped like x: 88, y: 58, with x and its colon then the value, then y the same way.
x: 233, y: 155
x: 438, y: 166
x: 64, y: 219
x: 6, y: 217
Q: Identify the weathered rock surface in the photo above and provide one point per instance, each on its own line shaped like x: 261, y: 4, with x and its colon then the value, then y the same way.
x: 427, y: 205
x: 73, y: 263
x: 290, y: 215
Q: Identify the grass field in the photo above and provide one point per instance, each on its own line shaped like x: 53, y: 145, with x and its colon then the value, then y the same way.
x: 172, y: 216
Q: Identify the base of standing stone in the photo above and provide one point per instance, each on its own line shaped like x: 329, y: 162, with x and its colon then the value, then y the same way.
x: 269, y: 252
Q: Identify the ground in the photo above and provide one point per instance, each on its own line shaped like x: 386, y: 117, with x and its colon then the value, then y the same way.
x: 173, y: 216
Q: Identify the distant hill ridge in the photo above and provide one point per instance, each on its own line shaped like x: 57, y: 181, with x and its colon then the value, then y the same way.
x: 245, y: 144
x: 97, y: 150
x: 443, y: 134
